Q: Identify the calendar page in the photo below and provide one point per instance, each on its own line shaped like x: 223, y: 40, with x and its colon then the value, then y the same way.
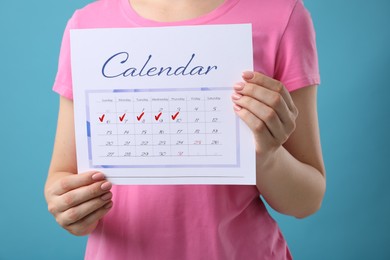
x: 153, y: 105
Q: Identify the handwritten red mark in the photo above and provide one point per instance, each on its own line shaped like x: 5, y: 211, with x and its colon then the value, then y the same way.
x: 175, y: 115
x: 157, y: 116
x: 140, y: 116
x: 122, y: 117
x: 101, y: 118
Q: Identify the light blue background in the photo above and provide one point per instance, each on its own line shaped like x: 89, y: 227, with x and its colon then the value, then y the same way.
x: 353, y: 41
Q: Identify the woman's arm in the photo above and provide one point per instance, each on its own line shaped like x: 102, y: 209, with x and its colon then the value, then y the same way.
x: 77, y: 201
x: 290, y: 168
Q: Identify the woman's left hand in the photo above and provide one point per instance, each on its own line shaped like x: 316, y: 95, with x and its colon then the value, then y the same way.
x: 266, y: 106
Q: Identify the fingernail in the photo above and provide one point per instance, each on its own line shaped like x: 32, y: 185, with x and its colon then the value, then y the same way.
x: 106, y: 186
x: 236, y: 107
x: 108, y: 205
x: 239, y: 86
x: 236, y: 96
x: 106, y: 196
x: 98, y: 176
x: 248, y: 75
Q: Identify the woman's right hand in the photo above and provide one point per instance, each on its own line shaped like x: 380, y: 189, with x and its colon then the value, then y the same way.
x: 78, y: 201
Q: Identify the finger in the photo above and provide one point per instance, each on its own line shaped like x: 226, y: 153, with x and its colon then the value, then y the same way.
x: 271, y: 98
x: 270, y: 83
x: 77, y: 213
x: 88, y: 223
x: 74, y: 181
x: 80, y: 195
x: 258, y: 127
x: 262, y: 112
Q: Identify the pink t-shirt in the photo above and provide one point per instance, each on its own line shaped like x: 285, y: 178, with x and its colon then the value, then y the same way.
x: 200, y: 221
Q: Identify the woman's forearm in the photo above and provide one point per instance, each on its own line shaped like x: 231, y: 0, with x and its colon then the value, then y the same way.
x: 290, y: 186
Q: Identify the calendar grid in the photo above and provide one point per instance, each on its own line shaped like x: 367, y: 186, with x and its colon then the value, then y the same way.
x: 176, y: 130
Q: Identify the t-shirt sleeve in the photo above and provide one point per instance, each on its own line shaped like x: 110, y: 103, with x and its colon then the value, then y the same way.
x: 63, y: 81
x: 297, y: 60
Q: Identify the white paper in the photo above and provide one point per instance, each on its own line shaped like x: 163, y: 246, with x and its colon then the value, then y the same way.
x: 153, y: 105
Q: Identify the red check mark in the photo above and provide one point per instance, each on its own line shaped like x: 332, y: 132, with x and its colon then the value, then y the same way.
x: 157, y: 116
x: 140, y: 116
x: 122, y: 117
x: 101, y: 118
x: 175, y: 115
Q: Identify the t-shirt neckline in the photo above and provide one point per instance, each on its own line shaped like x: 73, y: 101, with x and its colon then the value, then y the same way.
x: 142, y: 21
